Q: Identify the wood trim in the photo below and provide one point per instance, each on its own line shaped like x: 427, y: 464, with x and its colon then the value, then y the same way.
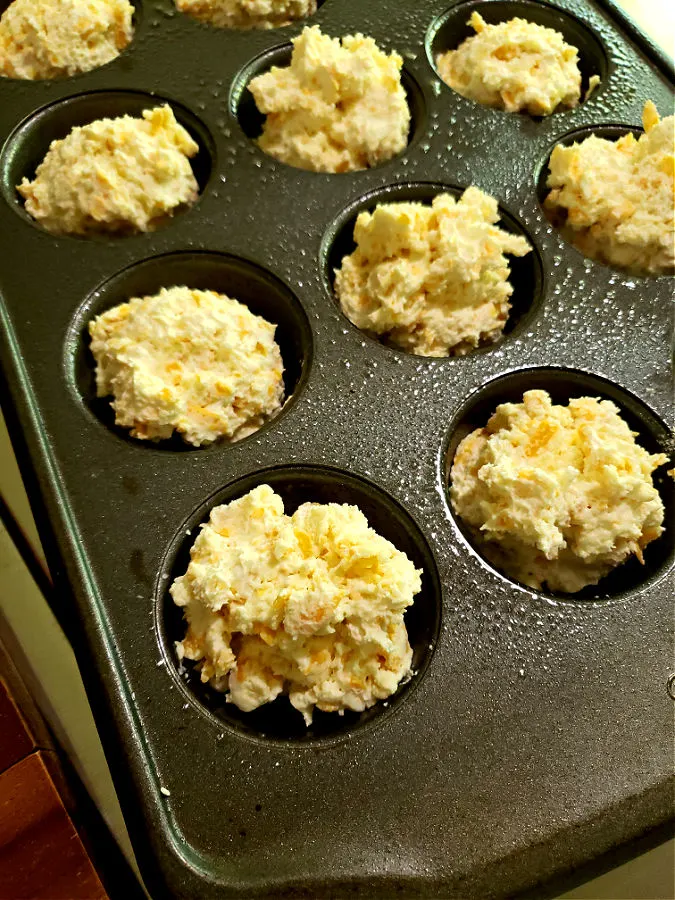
x: 41, y: 854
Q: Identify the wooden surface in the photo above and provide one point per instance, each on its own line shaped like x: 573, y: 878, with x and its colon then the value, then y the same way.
x: 16, y: 740
x: 41, y: 855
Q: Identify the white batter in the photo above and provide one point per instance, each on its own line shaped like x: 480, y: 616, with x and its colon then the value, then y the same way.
x: 192, y: 362
x: 309, y: 604
x: 432, y: 280
x: 114, y: 176
x: 247, y: 13
x: 557, y: 495
x: 56, y: 38
x: 516, y: 65
x: 338, y: 107
x: 614, y: 199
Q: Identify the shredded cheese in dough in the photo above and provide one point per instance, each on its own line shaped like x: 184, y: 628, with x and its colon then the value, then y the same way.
x: 114, y: 176
x: 247, y: 13
x: 194, y: 362
x: 338, y: 107
x: 56, y: 38
x: 516, y: 65
x: 309, y: 604
x: 432, y: 280
x: 614, y: 199
x: 557, y: 496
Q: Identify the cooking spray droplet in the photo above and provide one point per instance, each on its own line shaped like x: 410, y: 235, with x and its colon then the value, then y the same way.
x: 671, y: 686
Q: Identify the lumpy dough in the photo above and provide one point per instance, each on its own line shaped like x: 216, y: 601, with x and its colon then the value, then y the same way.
x: 114, y: 176
x: 338, y: 107
x: 432, y: 280
x: 309, y: 604
x: 557, y: 496
x: 247, y: 13
x: 55, y: 38
x: 614, y: 199
x: 516, y: 65
x: 193, y: 362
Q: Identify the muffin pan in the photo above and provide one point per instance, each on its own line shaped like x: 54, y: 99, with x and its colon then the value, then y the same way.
x: 535, y: 732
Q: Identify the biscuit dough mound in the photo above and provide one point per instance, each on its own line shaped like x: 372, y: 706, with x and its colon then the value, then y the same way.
x: 340, y: 105
x: 114, y: 176
x: 516, y: 65
x: 247, y: 13
x: 557, y: 496
x: 310, y: 605
x: 56, y: 38
x: 432, y: 280
x: 614, y: 199
x: 193, y: 362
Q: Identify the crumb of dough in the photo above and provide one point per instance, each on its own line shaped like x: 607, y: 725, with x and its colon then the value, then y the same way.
x: 516, y: 65
x: 557, y: 496
x: 593, y: 83
x: 340, y: 105
x: 614, y: 199
x: 309, y: 604
x: 115, y: 176
x: 432, y: 280
x: 55, y: 38
x: 247, y: 13
x: 193, y: 362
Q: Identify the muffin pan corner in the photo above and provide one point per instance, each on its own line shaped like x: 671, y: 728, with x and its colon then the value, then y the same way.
x: 506, y: 729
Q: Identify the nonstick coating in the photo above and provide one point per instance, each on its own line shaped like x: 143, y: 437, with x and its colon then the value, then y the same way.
x: 536, y: 731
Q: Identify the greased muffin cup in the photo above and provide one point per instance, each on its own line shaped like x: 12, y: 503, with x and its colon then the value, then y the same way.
x: 526, y: 711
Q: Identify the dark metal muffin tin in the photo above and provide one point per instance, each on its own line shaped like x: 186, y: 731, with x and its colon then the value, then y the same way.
x: 535, y: 732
